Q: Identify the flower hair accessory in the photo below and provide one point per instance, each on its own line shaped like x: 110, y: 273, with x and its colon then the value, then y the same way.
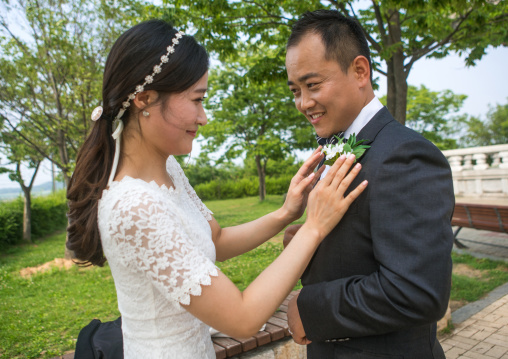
x: 118, y: 123
x: 333, y: 152
x: 96, y: 114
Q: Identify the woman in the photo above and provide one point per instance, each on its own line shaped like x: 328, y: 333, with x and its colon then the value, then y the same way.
x: 130, y: 202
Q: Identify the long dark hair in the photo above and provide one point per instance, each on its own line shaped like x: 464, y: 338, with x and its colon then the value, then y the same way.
x: 131, y: 59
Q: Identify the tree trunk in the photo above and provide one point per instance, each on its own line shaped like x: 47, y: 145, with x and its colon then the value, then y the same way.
x: 27, y: 216
x: 261, y: 175
x: 391, y: 93
x: 27, y: 201
x: 396, y: 74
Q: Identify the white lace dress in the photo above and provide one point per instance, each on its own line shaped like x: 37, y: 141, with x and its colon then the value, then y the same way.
x: 159, y: 246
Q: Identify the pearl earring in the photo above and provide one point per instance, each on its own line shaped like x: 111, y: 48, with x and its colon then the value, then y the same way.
x: 146, y: 113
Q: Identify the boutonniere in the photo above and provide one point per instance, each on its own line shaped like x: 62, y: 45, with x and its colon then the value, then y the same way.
x: 332, y: 152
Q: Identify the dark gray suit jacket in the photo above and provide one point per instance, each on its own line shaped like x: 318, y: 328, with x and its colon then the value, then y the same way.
x: 381, y: 279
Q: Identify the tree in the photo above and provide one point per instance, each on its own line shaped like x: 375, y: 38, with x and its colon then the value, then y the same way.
x: 19, y: 154
x: 250, y: 118
x: 52, y: 55
x: 431, y: 114
x: 51, y: 62
x: 399, y: 32
x: 491, y: 131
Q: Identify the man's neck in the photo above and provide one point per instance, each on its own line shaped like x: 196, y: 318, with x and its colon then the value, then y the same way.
x: 365, y: 115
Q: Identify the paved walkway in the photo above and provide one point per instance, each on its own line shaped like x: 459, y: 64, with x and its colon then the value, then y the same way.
x: 483, y: 335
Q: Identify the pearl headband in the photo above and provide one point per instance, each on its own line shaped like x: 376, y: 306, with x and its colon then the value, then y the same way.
x: 118, y: 123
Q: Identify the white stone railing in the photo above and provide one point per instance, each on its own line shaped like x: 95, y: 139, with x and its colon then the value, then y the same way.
x: 480, y: 171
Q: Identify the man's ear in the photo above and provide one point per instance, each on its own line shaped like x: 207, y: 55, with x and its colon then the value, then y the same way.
x: 145, y: 99
x: 361, y: 69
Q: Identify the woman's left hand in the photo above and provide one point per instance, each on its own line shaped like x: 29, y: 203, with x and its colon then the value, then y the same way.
x: 299, y: 189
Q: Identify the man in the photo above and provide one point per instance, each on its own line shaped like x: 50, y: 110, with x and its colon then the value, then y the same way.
x: 381, y: 279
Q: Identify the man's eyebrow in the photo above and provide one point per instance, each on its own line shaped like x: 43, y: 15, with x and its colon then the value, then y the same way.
x: 304, y: 78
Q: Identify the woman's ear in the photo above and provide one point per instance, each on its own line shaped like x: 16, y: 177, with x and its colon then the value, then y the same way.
x: 362, y: 70
x: 145, y: 99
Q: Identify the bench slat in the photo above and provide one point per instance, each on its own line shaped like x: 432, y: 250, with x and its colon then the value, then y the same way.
x: 220, y: 352
x: 478, y: 216
x: 233, y: 347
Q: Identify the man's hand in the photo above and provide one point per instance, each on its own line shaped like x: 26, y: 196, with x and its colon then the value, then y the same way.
x: 289, y: 233
x: 295, y: 323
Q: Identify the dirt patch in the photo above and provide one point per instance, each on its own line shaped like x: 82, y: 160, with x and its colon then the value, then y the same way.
x: 465, y: 270
x: 56, y: 263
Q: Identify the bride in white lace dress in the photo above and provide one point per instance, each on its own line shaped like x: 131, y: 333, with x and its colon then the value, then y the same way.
x: 130, y: 203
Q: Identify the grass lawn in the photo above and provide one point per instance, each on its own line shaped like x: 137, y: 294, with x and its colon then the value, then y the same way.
x: 42, y: 314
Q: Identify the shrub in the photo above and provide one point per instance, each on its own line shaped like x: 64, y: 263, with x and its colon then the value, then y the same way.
x: 11, y: 222
x: 244, y: 187
x: 48, y: 215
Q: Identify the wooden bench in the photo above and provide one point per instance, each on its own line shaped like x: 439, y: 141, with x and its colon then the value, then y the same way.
x: 276, y: 329
x: 479, y: 216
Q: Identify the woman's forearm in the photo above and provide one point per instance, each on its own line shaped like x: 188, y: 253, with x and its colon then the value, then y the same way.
x: 236, y: 240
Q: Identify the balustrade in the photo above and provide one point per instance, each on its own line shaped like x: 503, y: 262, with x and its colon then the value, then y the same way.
x: 480, y: 171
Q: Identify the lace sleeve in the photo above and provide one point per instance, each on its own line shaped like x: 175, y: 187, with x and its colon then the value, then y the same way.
x: 150, y: 238
x: 176, y: 171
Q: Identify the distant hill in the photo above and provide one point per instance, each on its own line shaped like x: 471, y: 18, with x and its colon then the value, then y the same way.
x: 41, y: 189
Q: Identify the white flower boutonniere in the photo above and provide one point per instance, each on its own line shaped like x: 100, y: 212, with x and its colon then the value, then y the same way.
x: 332, y: 152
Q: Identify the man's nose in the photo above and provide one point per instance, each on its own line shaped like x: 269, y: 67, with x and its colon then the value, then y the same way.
x: 306, y: 101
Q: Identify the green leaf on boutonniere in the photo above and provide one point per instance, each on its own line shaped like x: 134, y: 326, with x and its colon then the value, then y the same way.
x: 333, y: 152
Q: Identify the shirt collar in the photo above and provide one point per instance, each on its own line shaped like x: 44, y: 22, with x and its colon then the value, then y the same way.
x: 364, y: 117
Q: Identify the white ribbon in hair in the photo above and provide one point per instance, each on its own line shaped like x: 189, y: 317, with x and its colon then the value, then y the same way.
x: 117, y: 135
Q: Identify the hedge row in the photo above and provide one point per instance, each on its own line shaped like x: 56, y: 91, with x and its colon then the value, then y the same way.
x: 48, y: 215
x: 49, y: 212
x: 245, y: 187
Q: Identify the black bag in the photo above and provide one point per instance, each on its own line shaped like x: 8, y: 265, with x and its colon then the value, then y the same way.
x: 100, y: 340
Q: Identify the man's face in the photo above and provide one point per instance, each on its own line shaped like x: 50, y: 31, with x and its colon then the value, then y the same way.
x: 329, y: 98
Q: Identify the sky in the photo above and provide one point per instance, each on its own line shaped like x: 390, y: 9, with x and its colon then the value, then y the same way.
x: 485, y: 84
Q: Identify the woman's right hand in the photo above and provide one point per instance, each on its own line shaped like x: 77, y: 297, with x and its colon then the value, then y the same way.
x: 327, y: 204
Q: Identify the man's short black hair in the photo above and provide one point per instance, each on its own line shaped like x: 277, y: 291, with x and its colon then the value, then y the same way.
x: 342, y: 36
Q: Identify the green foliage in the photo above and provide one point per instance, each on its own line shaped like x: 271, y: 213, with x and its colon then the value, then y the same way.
x: 431, y: 113
x: 48, y: 214
x: 399, y: 33
x: 255, y: 119
x: 491, y: 131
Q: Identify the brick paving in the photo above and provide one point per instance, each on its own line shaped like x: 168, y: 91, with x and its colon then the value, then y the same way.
x: 483, y: 336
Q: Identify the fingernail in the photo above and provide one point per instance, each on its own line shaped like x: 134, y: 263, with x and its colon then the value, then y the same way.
x: 351, y: 157
x: 358, y: 166
x: 342, y: 157
x: 365, y: 183
x: 311, y: 176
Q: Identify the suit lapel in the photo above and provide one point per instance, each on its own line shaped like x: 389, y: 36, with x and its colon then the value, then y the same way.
x: 376, y: 124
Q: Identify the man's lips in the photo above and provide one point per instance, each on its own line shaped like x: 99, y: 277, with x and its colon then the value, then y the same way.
x: 316, y: 117
x: 192, y: 133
